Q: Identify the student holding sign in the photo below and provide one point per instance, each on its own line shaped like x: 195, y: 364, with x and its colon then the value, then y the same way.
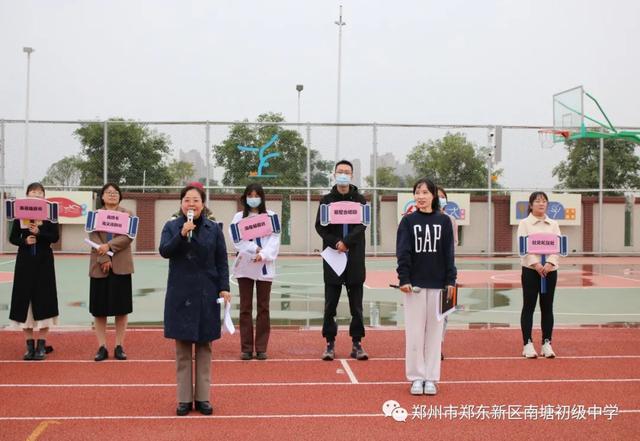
x: 533, y: 270
x: 424, y: 250
x: 257, y: 247
x: 110, y: 269
x: 349, y: 239
x: 34, y: 300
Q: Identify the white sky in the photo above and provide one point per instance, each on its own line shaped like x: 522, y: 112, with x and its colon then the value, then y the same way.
x: 424, y: 61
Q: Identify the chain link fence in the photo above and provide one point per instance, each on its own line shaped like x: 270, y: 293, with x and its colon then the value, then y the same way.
x: 294, y: 163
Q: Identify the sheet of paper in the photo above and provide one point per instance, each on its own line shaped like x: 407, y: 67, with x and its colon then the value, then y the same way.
x: 227, y: 323
x: 245, y: 265
x: 96, y: 246
x: 336, y: 259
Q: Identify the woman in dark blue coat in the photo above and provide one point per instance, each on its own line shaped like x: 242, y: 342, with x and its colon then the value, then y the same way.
x: 198, y: 276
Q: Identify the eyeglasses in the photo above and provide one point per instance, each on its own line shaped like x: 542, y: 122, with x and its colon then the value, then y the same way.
x: 111, y: 193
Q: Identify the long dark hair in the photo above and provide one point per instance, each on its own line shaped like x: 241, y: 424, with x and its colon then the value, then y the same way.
x: 535, y: 196
x: 435, y: 203
x: 115, y: 187
x: 262, y: 208
x: 35, y: 186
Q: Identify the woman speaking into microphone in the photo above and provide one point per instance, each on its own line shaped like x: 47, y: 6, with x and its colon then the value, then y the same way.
x: 198, y: 277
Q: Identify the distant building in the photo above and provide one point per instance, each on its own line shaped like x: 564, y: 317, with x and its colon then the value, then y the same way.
x: 357, y: 172
x: 199, y: 167
x: 388, y: 160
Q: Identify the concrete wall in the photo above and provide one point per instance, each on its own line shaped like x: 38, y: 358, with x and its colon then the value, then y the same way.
x: 300, y: 221
x: 613, y: 216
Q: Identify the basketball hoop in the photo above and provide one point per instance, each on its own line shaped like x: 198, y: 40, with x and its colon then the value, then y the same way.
x: 550, y: 137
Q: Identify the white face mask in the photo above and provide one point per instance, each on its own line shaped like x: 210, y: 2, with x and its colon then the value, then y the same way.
x: 343, y: 179
x: 443, y: 202
x: 254, y: 202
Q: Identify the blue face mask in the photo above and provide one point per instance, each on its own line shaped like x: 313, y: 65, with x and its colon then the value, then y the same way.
x: 253, y: 202
x: 343, y: 179
x: 443, y: 202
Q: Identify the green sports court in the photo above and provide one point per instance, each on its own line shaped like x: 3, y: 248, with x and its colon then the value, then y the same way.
x: 591, y: 291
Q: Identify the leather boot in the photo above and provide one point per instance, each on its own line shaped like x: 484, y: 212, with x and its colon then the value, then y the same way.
x: 40, y: 353
x: 30, y: 350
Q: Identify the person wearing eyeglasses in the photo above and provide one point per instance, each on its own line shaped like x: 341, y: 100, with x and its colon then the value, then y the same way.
x: 353, y: 243
x: 110, y: 291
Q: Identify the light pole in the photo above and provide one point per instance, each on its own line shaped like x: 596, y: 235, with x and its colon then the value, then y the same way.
x: 25, y: 164
x: 340, y: 23
x: 299, y: 88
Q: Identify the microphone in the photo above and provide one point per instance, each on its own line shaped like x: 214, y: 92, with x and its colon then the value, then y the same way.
x: 189, y: 219
x: 415, y: 289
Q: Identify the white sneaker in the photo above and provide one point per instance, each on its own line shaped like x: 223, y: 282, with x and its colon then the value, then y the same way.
x: 417, y: 387
x: 547, y: 350
x: 430, y: 388
x: 528, y: 351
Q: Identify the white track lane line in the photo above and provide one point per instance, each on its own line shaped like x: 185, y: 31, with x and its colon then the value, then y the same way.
x: 208, y: 417
x: 220, y: 417
x: 332, y: 383
x: 347, y: 369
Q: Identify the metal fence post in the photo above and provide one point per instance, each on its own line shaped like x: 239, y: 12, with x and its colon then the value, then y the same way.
x: 2, y: 189
x: 105, y: 148
x: 2, y: 153
x: 374, y: 217
x: 489, y: 194
x: 207, y: 150
x: 309, y: 221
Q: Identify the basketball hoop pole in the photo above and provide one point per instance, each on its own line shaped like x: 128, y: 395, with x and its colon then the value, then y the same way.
x: 600, y: 196
x: 569, y: 121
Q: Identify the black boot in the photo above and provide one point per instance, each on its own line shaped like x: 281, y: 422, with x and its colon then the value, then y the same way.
x: 40, y: 353
x: 102, y: 354
x: 30, y: 350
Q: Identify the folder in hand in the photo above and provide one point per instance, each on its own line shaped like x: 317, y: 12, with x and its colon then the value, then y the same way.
x: 448, y: 301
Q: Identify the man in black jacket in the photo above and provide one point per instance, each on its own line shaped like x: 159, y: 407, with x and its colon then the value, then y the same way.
x: 353, y: 243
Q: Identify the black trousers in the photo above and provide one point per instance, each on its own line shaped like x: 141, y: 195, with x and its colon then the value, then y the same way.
x: 331, y: 298
x: 530, y: 291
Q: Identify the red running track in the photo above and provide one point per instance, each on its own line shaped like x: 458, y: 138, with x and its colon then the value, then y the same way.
x: 295, y: 395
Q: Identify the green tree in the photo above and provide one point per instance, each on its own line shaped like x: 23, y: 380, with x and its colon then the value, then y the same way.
x: 66, y: 172
x: 320, y: 170
x: 181, y: 172
x: 289, y: 168
x: 133, y: 149
x: 452, y: 162
x: 581, y: 169
x: 386, y: 177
